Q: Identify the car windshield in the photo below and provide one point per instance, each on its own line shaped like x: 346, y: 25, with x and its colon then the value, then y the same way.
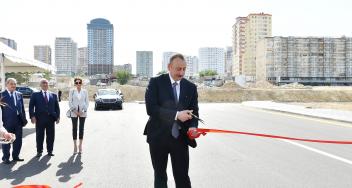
x: 107, y: 92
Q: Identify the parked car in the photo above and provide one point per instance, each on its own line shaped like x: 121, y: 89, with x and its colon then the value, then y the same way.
x: 26, y: 91
x: 108, y: 99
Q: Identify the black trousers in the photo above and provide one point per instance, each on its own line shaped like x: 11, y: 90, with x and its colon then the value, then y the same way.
x: 15, y: 128
x: 81, y: 127
x: 178, y: 150
x: 45, y: 125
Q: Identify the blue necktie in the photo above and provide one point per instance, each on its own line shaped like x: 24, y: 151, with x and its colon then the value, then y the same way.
x: 11, y: 98
x: 174, y: 131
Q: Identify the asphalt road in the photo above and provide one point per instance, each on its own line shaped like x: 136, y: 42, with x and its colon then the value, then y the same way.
x: 116, y: 154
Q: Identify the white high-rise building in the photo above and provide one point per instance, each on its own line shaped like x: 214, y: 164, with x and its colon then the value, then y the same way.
x: 166, y: 60
x: 192, y: 66
x: 228, y: 61
x: 42, y: 53
x: 212, y: 59
x: 9, y: 42
x: 247, y: 32
x: 144, y: 63
x: 65, y: 56
x: 82, y: 67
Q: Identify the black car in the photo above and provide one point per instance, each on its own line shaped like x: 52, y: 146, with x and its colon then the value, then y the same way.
x: 26, y: 91
x: 108, y: 99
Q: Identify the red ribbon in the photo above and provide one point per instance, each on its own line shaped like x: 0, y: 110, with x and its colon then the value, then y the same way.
x: 203, y: 132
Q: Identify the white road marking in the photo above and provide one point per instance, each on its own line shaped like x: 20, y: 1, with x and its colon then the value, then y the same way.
x: 320, y: 152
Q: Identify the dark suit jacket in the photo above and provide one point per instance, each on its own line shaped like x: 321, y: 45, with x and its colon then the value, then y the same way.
x: 162, y: 108
x: 9, y: 113
x: 39, y: 108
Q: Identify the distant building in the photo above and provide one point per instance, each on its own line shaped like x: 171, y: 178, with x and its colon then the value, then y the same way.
x: 65, y: 56
x: 9, y: 42
x: 42, y: 53
x: 228, y: 61
x: 125, y: 67
x: 144, y: 64
x: 306, y: 60
x: 212, y: 59
x: 247, y: 32
x: 82, y: 68
x: 192, y: 66
x: 100, y: 47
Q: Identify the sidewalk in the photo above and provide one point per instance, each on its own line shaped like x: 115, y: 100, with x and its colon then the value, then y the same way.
x: 337, y: 115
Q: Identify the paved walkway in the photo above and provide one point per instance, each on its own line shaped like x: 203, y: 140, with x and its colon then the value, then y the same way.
x: 339, y: 115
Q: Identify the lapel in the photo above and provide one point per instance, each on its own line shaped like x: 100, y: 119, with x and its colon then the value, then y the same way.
x: 168, y: 85
x: 182, y: 91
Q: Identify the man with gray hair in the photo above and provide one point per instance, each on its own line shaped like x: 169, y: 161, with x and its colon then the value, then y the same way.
x: 44, y: 111
x: 13, y: 118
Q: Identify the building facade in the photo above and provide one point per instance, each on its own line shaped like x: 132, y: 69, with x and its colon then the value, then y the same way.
x: 248, y: 32
x: 100, y: 47
x: 212, y: 59
x: 42, y: 53
x: 144, y: 63
x: 192, y: 66
x: 65, y: 56
x: 306, y: 60
x: 9, y: 42
x: 82, y: 68
x: 228, y: 61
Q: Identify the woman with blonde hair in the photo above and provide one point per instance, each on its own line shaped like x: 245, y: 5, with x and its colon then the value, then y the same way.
x: 78, y: 104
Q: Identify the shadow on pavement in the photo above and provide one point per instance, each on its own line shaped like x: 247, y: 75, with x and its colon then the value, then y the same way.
x: 67, y: 169
x: 31, y: 168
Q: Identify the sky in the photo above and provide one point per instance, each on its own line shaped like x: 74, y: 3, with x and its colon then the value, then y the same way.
x: 165, y: 25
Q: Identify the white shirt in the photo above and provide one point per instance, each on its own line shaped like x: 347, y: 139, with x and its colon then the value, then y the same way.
x: 47, y: 94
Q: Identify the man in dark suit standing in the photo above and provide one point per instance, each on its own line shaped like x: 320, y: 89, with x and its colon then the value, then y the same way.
x: 44, y: 110
x: 170, y: 101
x: 13, y: 118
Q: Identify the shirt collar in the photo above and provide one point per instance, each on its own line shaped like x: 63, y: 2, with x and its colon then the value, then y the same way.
x: 173, y: 81
x: 47, y: 92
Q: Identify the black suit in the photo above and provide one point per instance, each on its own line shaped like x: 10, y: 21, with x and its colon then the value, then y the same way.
x: 46, y: 113
x: 162, y: 108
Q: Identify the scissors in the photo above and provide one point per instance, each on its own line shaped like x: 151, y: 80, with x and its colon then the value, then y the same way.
x: 197, y: 118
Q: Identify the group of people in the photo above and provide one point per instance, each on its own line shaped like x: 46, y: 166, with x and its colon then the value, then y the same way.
x: 44, y: 112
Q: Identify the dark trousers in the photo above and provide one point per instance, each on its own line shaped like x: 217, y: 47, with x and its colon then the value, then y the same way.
x: 81, y: 127
x: 178, y: 150
x: 15, y: 128
x: 45, y: 125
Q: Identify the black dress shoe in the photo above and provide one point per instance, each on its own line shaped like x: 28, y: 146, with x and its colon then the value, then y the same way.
x: 6, y: 161
x: 18, y: 159
x: 39, y: 154
x: 51, y: 154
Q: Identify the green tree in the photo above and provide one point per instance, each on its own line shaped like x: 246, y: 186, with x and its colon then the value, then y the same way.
x: 207, y: 73
x: 162, y: 72
x: 123, y: 77
x: 47, y: 75
x: 18, y: 76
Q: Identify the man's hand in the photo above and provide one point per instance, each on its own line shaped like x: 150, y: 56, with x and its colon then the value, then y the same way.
x: 184, y: 115
x: 58, y: 121
x: 33, y: 120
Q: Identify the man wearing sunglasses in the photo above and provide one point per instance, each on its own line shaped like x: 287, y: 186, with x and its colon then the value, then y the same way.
x: 44, y: 111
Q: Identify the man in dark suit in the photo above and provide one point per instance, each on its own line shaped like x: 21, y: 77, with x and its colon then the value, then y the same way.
x: 13, y: 118
x: 170, y: 101
x: 44, y: 110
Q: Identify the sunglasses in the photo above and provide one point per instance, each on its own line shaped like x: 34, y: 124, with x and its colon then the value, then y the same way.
x: 78, y: 82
